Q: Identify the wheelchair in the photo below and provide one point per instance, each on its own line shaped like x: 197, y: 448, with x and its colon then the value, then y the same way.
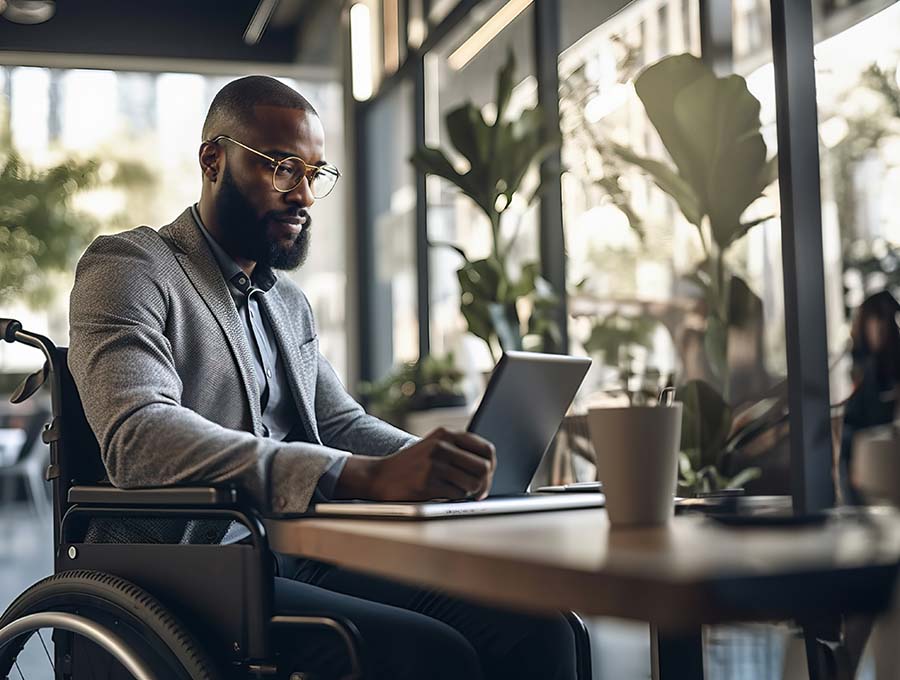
x: 155, y: 610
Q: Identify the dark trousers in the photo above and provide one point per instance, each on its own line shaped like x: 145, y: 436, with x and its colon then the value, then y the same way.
x: 414, y: 634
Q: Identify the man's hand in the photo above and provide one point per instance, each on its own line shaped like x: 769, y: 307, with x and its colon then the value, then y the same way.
x: 444, y: 464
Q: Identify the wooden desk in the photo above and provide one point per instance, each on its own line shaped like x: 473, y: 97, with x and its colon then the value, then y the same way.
x: 693, y: 572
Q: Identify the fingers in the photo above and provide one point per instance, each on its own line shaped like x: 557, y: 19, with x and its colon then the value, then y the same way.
x: 469, y: 463
x: 468, y: 441
x: 442, y: 489
x: 467, y: 485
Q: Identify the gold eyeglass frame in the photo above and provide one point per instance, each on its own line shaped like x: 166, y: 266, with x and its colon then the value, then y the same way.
x: 277, y: 163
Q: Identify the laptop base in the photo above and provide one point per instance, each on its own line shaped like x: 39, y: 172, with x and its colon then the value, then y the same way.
x: 498, y: 505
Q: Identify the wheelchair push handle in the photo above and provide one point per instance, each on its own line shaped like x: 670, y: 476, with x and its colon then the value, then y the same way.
x: 9, y: 328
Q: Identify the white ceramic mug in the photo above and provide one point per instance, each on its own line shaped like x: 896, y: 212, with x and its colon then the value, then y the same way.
x: 637, y: 460
x: 875, y: 466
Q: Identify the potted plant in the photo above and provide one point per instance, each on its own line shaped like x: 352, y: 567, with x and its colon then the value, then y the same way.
x: 431, y: 383
x: 710, y: 127
x: 498, y: 154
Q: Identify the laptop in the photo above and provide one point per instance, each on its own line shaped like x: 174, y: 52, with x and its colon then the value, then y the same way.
x: 524, y: 403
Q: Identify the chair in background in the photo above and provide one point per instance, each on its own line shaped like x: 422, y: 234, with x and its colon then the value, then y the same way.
x: 29, y: 460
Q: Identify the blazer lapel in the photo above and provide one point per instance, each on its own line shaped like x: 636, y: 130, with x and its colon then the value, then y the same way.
x: 299, y: 372
x: 198, y: 262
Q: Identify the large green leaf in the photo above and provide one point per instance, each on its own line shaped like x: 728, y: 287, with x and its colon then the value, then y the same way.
x: 434, y: 162
x: 710, y: 127
x: 719, y: 120
x: 706, y: 421
x: 657, y: 86
x: 745, y: 308
x: 471, y: 136
x: 525, y: 285
x: 669, y: 181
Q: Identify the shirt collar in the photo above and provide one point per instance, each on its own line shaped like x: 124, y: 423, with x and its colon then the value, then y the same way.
x: 263, y: 277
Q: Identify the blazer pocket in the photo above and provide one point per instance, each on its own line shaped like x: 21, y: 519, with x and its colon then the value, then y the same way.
x: 309, y: 360
x: 312, y: 343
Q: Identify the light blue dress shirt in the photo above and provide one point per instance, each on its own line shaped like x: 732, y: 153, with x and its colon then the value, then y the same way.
x: 279, y: 411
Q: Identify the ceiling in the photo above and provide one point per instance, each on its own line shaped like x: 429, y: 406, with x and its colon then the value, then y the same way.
x: 300, y: 31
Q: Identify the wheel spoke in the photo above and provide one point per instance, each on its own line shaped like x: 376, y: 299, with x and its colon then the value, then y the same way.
x: 47, y: 652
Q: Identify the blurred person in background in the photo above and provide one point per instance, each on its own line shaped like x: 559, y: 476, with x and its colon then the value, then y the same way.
x: 875, y: 350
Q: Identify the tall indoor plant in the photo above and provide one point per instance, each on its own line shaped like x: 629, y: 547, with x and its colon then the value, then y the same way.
x: 498, y: 153
x: 710, y: 127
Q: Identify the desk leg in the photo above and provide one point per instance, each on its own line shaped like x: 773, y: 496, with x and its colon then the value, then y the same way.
x: 676, y: 656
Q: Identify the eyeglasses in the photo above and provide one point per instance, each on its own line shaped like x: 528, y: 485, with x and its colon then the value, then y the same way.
x: 287, y: 173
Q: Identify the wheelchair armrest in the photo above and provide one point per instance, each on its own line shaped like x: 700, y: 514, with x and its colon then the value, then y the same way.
x: 173, y: 496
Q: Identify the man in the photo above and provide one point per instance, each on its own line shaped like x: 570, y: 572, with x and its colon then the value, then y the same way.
x: 202, y: 366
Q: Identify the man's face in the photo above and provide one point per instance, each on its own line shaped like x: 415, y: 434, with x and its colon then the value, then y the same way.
x: 257, y: 222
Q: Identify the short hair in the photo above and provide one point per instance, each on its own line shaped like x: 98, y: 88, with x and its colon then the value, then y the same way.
x: 232, y: 108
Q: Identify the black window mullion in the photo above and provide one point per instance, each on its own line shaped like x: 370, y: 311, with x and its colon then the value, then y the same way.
x: 802, y: 256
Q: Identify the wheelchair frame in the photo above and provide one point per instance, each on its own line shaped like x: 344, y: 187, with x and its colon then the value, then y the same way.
x: 224, y: 592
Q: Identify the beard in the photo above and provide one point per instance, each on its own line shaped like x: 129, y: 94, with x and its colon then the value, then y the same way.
x: 248, y: 235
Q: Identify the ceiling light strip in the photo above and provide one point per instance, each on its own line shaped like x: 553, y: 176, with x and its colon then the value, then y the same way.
x: 490, y: 30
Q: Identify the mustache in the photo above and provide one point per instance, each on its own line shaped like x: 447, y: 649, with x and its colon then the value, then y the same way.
x: 301, y: 214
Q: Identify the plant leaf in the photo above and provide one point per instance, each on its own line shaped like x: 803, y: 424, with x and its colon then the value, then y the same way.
x: 741, y: 230
x: 434, y: 162
x: 742, y: 477
x: 719, y: 121
x: 716, y: 344
x: 706, y: 421
x: 505, y: 320
x: 505, y: 84
x: 471, y: 136
x: 657, y: 87
x: 669, y: 181
x: 745, y: 308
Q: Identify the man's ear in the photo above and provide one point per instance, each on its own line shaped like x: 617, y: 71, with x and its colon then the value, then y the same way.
x: 210, y: 160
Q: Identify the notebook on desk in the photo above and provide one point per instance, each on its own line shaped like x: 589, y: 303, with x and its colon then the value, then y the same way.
x: 526, y: 399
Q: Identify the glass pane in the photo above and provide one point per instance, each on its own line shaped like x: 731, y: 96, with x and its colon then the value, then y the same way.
x: 858, y: 97
x: 391, y: 192
x: 148, y: 126
x: 660, y: 291
x: 464, y: 69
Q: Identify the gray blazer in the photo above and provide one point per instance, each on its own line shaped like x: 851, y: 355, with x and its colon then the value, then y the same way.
x: 166, y: 376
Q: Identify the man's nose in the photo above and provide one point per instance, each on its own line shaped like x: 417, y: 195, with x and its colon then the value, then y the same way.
x: 301, y: 194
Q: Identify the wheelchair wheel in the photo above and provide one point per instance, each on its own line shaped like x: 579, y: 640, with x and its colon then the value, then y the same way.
x: 103, y: 627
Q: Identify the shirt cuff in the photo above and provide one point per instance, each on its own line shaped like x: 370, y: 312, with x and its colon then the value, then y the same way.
x: 325, y: 488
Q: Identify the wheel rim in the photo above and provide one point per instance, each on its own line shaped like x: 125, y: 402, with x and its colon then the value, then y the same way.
x: 90, y: 630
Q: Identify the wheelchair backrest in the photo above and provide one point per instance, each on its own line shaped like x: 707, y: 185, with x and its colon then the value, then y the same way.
x: 74, y: 451
x: 78, y: 451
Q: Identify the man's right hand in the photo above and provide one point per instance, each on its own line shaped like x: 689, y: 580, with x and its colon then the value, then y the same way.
x: 445, y: 464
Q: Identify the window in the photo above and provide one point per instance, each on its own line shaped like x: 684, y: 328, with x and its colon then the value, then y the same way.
x: 391, y: 208
x: 645, y: 298
x: 155, y: 119
x: 464, y: 68
x: 858, y: 98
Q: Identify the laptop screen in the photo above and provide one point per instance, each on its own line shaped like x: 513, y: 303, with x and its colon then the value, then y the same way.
x: 522, y: 408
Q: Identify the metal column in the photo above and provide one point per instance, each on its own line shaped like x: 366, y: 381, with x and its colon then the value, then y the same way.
x: 804, y: 282
x: 552, y: 235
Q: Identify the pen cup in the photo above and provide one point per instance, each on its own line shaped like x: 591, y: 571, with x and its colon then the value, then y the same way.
x: 637, y: 460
